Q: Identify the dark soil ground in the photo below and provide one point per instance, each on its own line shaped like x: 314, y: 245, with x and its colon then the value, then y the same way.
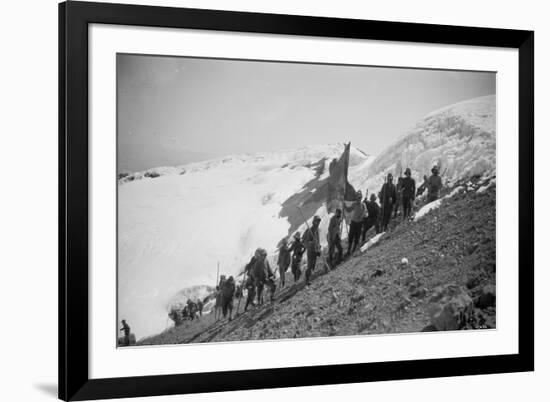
x: 373, y: 292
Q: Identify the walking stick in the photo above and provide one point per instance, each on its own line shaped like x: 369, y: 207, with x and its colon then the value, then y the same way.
x: 383, y: 202
x: 327, y: 267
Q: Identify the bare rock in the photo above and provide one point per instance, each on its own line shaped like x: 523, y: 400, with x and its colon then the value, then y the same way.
x: 356, y: 298
x: 418, y: 292
x: 409, y: 279
x: 473, y: 281
x: 378, y: 272
x: 450, y: 308
x: 487, y: 298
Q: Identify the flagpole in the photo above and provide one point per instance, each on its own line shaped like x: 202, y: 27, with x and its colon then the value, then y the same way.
x: 382, y: 202
x: 344, y: 195
x: 216, y: 307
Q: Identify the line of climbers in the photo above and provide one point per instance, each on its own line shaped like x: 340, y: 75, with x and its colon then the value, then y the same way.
x: 259, y: 276
x: 368, y: 213
x: 190, y: 311
x: 364, y: 214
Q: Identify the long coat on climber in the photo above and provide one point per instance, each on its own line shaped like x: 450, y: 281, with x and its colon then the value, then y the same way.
x: 388, y: 197
x: 312, y: 245
x: 261, y: 272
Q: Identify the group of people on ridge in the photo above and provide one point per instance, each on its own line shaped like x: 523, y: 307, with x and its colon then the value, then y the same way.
x: 364, y: 214
x: 190, y: 311
x: 225, y: 292
x: 258, y: 274
x: 308, y: 243
x: 433, y: 184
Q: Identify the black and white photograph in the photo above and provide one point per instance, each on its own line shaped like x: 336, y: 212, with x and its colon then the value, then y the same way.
x: 275, y: 201
x: 266, y: 200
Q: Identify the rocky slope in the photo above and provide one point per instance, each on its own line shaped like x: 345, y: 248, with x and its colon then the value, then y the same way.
x: 446, y: 282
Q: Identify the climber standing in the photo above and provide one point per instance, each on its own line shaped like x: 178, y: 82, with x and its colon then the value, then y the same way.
x: 283, y: 261
x: 261, y: 272
x: 434, y: 184
x: 250, y: 292
x: 388, y: 197
x: 408, y: 189
x: 371, y: 219
x: 297, y: 248
x: 358, y: 211
x: 422, y: 187
x: 126, y: 329
x: 399, y: 194
x: 312, y: 246
x: 334, y: 238
x: 228, y: 292
x: 200, y: 306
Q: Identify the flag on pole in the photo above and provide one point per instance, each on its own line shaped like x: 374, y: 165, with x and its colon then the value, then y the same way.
x: 339, y: 189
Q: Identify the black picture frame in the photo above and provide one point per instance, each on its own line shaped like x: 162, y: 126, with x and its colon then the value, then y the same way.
x: 74, y: 18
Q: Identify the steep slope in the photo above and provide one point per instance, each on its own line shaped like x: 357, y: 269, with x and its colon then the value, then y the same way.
x: 374, y: 292
x: 177, y: 223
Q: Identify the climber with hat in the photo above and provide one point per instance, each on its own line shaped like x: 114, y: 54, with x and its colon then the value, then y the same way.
x: 434, y: 185
x: 388, y: 197
x: 358, y: 211
x: 297, y: 248
x: 312, y: 245
x: 261, y: 272
x: 372, y: 218
x: 334, y: 238
x: 408, y: 187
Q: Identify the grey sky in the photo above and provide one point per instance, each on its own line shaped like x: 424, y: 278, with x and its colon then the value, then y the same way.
x: 174, y: 110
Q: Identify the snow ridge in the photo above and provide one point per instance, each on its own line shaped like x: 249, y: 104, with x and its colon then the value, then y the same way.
x: 459, y: 138
x: 290, y: 157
